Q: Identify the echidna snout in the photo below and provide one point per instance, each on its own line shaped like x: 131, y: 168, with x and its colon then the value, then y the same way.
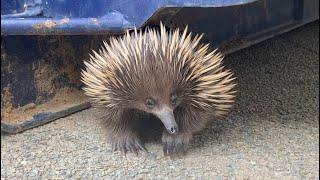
x: 162, y: 106
x: 165, y: 114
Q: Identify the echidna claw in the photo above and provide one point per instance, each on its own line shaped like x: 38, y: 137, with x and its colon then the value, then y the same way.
x: 125, y: 146
x: 175, y: 145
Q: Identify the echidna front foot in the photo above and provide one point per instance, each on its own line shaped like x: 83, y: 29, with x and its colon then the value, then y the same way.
x: 127, y: 143
x: 175, y: 145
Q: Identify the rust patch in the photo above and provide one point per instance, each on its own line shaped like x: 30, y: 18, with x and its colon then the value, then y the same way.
x: 6, y: 92
x: 43, y: 76
x: 60, y: 62
x: 6, y: 100
x: 56, y: 77
x: 48, y: 24
x: 64, y: 98
x: 70, y: 62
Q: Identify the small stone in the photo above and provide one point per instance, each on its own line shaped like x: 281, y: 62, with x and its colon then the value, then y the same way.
x: 24, y: 162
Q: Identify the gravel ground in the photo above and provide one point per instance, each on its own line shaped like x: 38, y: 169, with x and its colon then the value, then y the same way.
x: 273, y: 132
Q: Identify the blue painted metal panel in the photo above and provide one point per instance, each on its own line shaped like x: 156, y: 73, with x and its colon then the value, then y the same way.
x: 114, y: 22
x: 88, y: 16
x: 33, y: 17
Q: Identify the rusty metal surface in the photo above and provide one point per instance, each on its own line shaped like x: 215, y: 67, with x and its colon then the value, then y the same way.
x: 40, y: 76
x: 41, y: 119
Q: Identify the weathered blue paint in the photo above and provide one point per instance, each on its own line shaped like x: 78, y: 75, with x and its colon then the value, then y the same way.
x: 114, y: 22
x: 88, y: 16
x: 71, y: 17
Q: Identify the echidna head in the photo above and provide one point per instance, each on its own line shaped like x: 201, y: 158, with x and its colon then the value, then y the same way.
x: 158, y: 72
x: 158, y: 96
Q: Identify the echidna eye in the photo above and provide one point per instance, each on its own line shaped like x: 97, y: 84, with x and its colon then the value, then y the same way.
x: 150, y: 103
x: 173, y: 99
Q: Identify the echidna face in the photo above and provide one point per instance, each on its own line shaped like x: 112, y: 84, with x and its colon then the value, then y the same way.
x: 164, y: 112
x: 159, y: 102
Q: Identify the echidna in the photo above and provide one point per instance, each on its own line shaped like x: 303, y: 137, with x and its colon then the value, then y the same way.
x: 167, y: 74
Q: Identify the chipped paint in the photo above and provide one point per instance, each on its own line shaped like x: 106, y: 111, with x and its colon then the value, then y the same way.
x: 94, y: 21
x: 64, y: 21
x: 49, y: 24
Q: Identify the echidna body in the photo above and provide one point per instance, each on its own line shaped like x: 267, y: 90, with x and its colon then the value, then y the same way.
x: 167, y: 74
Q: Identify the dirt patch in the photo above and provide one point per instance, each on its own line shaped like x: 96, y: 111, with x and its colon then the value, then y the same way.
x: 232, y: 43
x: 43, y: 79
x: 64, y: 98
x: 6, y: 98
x: 59, y: 68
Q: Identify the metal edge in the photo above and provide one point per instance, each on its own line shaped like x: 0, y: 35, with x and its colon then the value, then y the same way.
x: 42, y: 118
x: 268, y: 34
